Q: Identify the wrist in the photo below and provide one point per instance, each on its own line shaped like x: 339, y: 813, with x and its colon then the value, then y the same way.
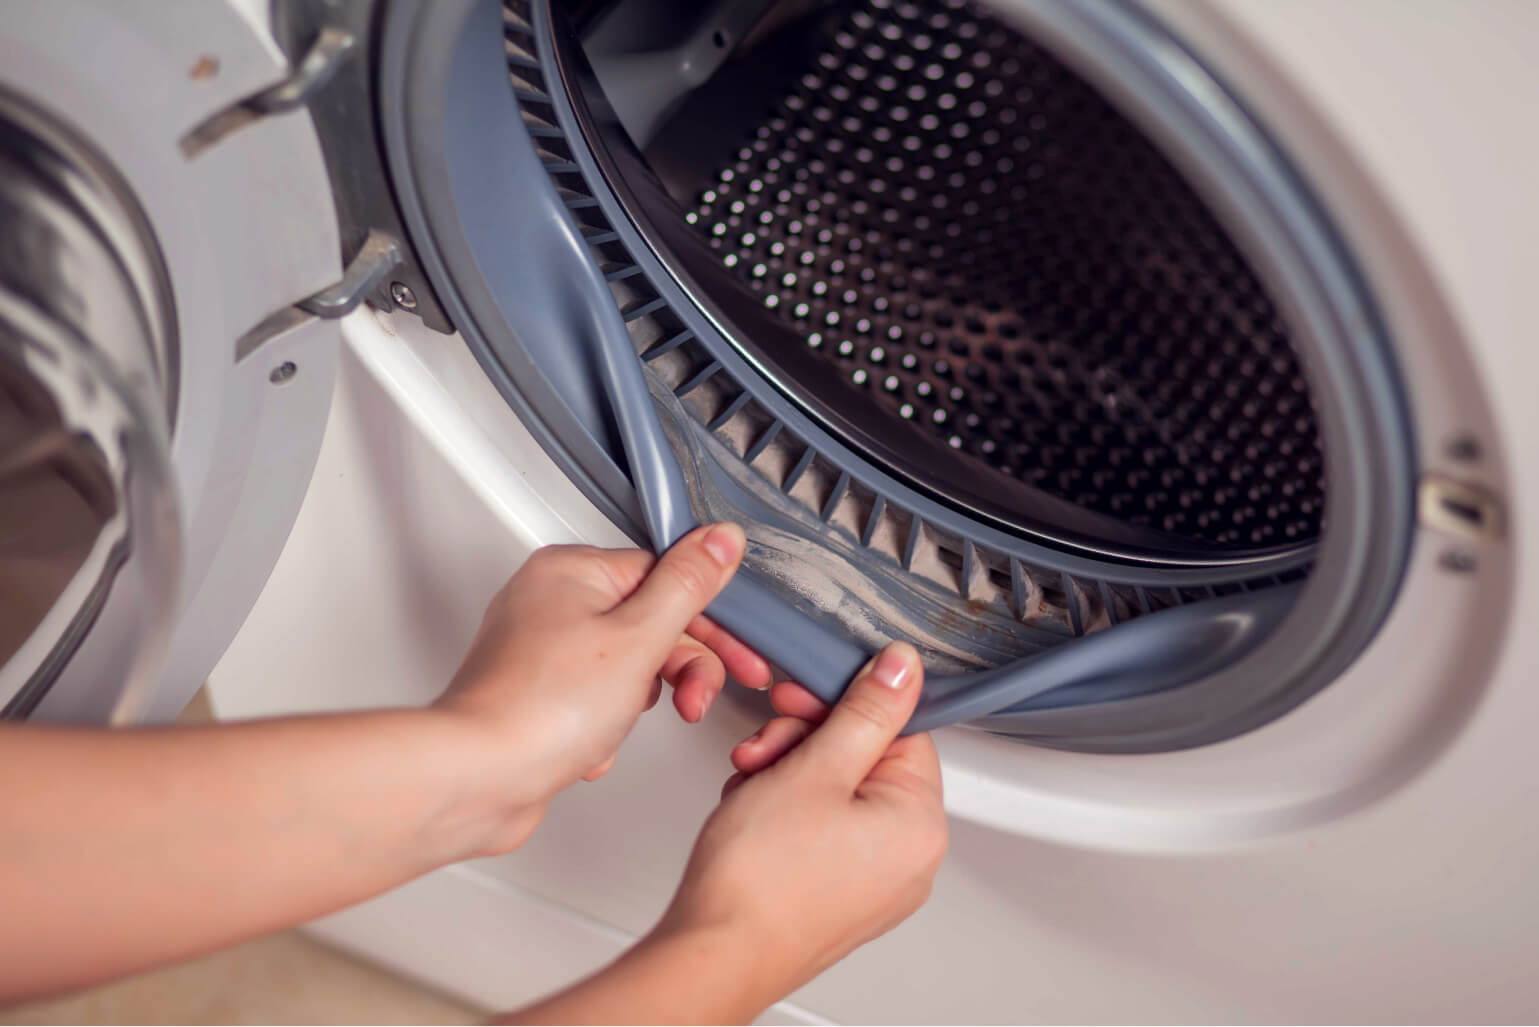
x: 732, y: 980
x: 746, y: 972
x: 536, y: 747
x: 493, y: 790
x: 679, y: 973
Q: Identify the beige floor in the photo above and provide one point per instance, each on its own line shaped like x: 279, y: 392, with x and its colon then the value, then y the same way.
x: 283, y: 979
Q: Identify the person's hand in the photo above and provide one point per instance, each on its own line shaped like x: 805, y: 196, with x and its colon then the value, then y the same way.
x: 827, y: 836
x: 571, y: 652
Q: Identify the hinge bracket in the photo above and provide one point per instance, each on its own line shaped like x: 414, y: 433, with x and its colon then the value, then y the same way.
x: 371, y: 265
x: 314, y: 70
x: 376, y: 258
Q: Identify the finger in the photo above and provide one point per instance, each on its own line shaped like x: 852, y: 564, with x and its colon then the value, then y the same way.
x: 792, y: 700
x: 602, y: 769
x: 684, y: 580
x: 745, y: 665
x: 732, y: 784
x: 697, y: 676
x: 765, y: 746
x: 866, y: 719
x: 655, y: 694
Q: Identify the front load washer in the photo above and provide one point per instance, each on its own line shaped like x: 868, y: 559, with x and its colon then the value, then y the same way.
x: 1156, y: 368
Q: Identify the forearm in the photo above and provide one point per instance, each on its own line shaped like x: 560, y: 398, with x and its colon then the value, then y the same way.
x: 688, y: 975
x: 122, y: 850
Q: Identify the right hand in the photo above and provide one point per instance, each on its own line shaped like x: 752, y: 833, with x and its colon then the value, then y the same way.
x: 829, y: 835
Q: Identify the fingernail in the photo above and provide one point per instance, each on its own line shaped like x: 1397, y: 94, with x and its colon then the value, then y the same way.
x: 705, y: 704
x: 724, y: 542
x: 893, y: 665
x: 750, y: 739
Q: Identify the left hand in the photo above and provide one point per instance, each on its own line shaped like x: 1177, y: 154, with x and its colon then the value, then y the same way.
x: 572, y: 650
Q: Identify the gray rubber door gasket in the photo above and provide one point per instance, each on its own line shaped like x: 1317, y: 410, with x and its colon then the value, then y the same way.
x: 519, y: 277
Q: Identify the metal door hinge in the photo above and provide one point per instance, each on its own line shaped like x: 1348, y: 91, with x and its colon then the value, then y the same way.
x: 366, y: 273
x: 376, y: 258
x: 314, y: 70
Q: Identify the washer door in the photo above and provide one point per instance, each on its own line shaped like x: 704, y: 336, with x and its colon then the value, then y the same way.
x: 162, y: 397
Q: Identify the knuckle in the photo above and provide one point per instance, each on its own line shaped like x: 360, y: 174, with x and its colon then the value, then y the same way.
x: 927, y: 843
x: 862, y: 704
x: 595, y: 567
x: 585, y: 565
x: 689, y: 577
x: 545, y: 558
x: 937, y: 844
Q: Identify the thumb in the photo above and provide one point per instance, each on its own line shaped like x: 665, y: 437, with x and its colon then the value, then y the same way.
x: 867, y: 717
x: 683, y: 581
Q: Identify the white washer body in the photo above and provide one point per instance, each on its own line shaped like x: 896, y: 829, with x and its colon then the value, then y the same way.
x: 1232, y: 882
